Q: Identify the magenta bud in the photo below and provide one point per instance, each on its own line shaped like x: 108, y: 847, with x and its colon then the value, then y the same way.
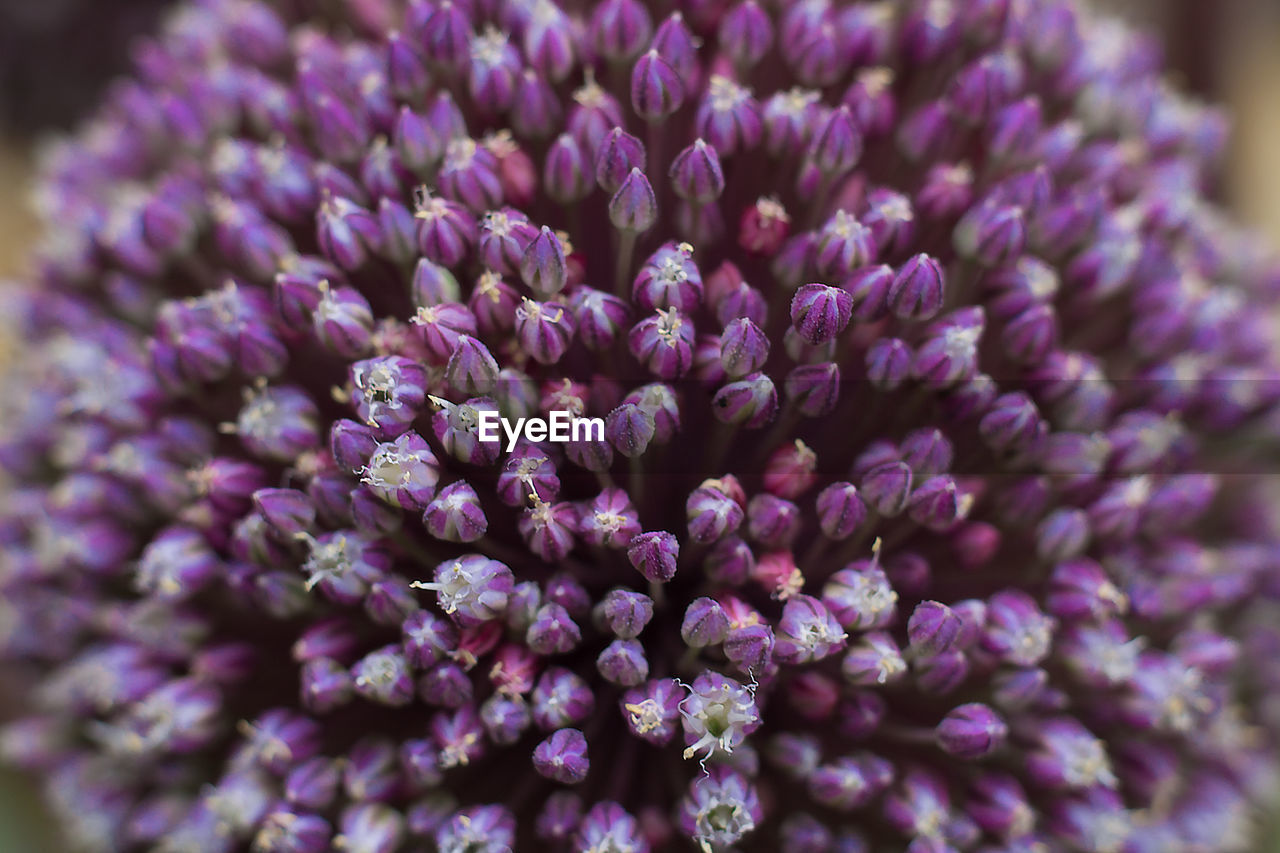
x: 620, y: 29
x: 548, y: 529
x: 746, y: 34
x: 472, y: 369
x: 455, y: 515
x: 749, y: 646
x: 860, y: 714
x: 840, y: 510
x: 820, y: 312
x: 399, y: 232
x: 352, y: 444
x: 629, y: 428
x: 313, y: 784
x: 712, y: 513
x: 542, y: 267
x: 625, y: 613
x: 937, y: 503
x: 669, y: 279
x: 446, y: 230
x: 383, y: 677
x: 562, y: 757
x: 844, y: 245
x: 504, y: 237
x: 886, y: 487
x: 433, y: 284
x: 751, y: 401
x: 287, y: 511
x: 927, y: 451
x: 971, y: 731
x: 1062, y: 535
x: 634, y: 208
x: 444, y: 32
x: 559, y: 818
x: 654, y: 555
x: 1079, y: 589
x: 942, y: 674
x: 663, y: 342
x: 544, y: 330
x: 656, y: 89
x: 623, y: 663
x: 696, y: 175
x: 600, y: 317
x: 869, y: 290
x: 346, y: 232
x: 741, y: 302
x: 744, y: 348
x: 620, y: 152
x: 730, y: 562
x: 837, y: 144
x: 553, y: 631
x: 814, y: 388
x: 565, y: 175
x: 705, y: 623
x: 536, y: 112
x: 1013, y: 423
x: 729, y: 119
x: 343, y: 322
x: 932, y: 628
x: 417, y: 142
x: 991, y: 233
x: 440, y: 326
x: 772, y: 521
x: 917, y: 289
x: 1029, y: 336
x: 549, y: 39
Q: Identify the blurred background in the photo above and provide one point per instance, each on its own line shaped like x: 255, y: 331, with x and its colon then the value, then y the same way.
x: 57, y: 55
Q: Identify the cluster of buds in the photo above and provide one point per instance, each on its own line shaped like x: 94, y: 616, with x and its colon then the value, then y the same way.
x: 921, y: 361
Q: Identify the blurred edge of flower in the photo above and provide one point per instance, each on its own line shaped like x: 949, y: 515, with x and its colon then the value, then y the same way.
x: 54, y: 57
x: 1242, y: 72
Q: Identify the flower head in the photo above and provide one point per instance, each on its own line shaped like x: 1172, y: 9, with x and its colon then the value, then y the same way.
x: 916, y: 351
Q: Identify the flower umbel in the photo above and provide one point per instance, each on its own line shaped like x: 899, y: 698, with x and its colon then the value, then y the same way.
x: 921, y: 360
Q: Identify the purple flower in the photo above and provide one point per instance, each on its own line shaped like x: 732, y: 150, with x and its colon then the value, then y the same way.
x: 916, y: 352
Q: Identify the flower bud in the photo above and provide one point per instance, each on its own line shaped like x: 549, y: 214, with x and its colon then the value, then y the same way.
x: 654, y: 555
x: 633, y: 208
x: 705, y: 624
x: 656, y: 89
x: 562, y: 757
